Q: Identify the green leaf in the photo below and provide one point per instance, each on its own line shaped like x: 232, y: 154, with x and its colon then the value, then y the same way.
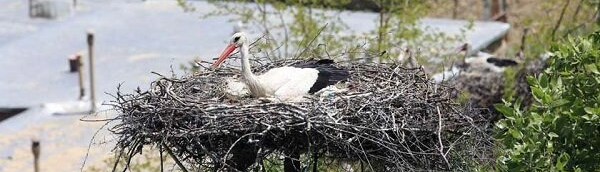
x: 543, y: 80
x: 552, y: 135
x: 515, y: 134
x: 558, y: 103
x: 565, y: 73
x: 562, y: 161
x: 501, y: 124
x: 538, y: 94
x: 587, y: 117
x: 531, y: 80
x: 592, y: 111
x: 536, y: 120
x: 592, y: 68
x: 505, y: 110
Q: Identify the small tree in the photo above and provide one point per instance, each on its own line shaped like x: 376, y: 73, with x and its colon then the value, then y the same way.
x: 561, y: 130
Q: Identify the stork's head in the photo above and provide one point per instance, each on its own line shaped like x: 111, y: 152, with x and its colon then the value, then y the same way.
x: 463, y: 47
x: 237, y: 40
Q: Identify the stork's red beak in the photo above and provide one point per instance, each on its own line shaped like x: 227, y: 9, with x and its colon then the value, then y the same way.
x: 462, y: 48
x: 224, y: 55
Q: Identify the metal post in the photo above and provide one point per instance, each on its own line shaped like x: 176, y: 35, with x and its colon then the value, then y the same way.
x: 35, y: 149
x: 73, y: 63
x: 80, y: 76
x: 30, y: 8
x: 90, y: 41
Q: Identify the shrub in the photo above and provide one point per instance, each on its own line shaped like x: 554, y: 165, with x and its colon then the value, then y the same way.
x: 561, y: 129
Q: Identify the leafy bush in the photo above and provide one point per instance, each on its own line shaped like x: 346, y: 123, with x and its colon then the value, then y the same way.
x: 314, y: 29
x: 561, y: 129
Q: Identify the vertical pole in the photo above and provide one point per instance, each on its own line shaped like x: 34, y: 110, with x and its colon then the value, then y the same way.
x: 73, y: 63
x: 495, y: 10
x: 90, y: 41
x: 30, y: 8
x: 160, y: 153
x: 74, y: 3
x: 598, y: 14
x: 486, y: 10
x: 315, y: 161
x: 80, y: 76
x: 455, y: 10
x: 35, y: 149
x: 523, y: 39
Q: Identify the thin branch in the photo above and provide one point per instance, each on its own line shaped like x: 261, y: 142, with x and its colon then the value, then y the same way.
x: 439, y: 134
x: 382, y: 116
x: 311, y: 41
x: 170, y: 152
x: 562, y: 14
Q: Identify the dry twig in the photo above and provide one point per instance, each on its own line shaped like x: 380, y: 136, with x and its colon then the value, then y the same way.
x: 391, y: 118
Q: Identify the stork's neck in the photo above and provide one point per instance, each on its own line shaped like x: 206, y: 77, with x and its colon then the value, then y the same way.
x: 467, y: 53
x: 246, y: 69
x: 252, y: 81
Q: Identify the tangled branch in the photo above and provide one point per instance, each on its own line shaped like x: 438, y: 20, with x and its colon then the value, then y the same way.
x: 390, y: 119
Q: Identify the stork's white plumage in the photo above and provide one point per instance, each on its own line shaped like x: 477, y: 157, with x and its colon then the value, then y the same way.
x: 288, y: 83
x: 479, y: 62
x: 484, y: 61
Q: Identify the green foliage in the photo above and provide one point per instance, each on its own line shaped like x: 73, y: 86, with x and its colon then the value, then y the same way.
x: 551, y: 21
x: 560, y: 132
x: 310, y: 25
x: 274, y: 163
x: 511, y: 80
x: 577, y: 19
x: 315, y: 29
x: 388, y: 31
x: 311, y: 28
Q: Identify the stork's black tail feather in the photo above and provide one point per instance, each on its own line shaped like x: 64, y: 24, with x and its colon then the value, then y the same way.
x: 329, y: 74
x: 502, y: 62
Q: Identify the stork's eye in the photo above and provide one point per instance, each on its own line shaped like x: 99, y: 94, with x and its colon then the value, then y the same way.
x: 235, y: 39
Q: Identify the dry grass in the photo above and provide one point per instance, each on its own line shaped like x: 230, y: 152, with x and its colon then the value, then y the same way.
x: 539, y: 16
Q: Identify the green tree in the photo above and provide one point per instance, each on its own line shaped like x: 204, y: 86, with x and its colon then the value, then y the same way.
x: 560, y: 131
x: 314, y: 28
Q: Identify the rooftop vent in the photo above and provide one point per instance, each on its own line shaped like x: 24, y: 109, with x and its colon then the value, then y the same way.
x: 49, y: 9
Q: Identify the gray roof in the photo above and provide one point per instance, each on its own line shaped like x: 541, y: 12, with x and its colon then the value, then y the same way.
x: 132, y: 40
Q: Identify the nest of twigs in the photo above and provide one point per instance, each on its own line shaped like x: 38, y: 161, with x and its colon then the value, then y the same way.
x: 390, y: 119
x: 484, y: 88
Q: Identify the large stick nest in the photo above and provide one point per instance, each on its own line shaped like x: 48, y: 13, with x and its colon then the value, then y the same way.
x: 390, y: 119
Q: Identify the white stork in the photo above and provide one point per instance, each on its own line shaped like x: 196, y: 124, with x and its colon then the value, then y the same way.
x: 288, y: 83
x: 480, y: 62
x: 484, y: 61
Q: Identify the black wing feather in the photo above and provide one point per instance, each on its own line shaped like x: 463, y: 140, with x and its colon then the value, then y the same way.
x: 329, y: 74
x: 501, y: 62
